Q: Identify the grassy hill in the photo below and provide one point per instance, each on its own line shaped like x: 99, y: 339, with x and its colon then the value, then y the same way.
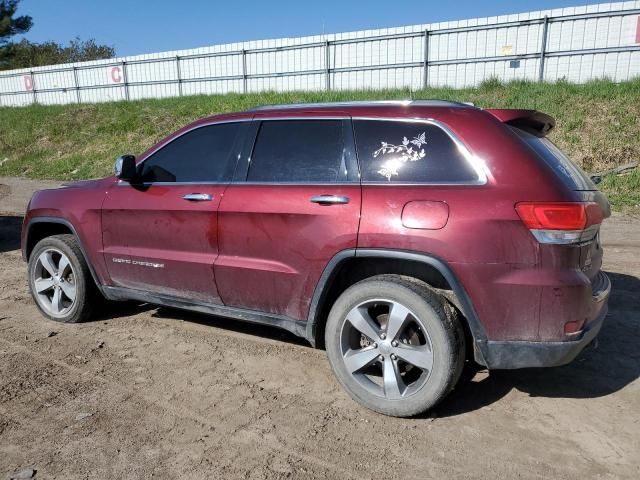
x: 598, y: 125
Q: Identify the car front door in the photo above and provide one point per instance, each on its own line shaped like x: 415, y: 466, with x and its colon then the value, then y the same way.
x: 295, y: 204
x: 160, y: 233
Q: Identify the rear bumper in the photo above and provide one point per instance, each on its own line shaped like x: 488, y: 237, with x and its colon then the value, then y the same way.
x: 523, y: 354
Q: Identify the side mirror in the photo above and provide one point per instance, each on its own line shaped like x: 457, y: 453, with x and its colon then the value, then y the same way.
x: 125, y: 167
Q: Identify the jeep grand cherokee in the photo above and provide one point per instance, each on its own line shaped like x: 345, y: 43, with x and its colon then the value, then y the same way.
x: 404, y: 237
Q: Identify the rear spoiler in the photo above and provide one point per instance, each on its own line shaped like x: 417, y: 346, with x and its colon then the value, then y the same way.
x: 533, y: 121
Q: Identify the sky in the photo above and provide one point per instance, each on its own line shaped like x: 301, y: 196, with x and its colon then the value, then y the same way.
x: 137, y: 26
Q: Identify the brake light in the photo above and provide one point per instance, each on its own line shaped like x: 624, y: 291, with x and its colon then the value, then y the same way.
x: 561, y: 223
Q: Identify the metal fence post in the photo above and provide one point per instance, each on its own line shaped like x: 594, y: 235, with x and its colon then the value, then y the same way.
x: 244, y: 71
x: 33, y: 88
x: 327, y: 66
x: 543, y: 47
x: 126, y: 82
x: 179, y: 75
x: 75, y: 79
x: 425, y: 74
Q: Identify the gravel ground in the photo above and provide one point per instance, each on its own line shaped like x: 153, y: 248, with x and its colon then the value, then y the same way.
x: 152, y: 392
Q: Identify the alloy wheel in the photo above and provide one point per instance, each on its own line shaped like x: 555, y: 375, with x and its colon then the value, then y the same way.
x: 54, y: 282
x: 386, y: 348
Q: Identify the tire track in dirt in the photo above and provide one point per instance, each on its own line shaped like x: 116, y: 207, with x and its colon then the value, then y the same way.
x: 239, y: 434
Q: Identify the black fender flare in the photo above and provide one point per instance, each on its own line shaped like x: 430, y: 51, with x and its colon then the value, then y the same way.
x: 475, y: 326
x: 69, y: 225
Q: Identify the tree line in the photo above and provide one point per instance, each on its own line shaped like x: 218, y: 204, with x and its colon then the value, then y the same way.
x: 27, y: 54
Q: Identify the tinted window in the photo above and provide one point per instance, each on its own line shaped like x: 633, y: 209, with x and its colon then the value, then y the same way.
x: 302, y: 151
x: 572, y: 176
x: 202, y: 155
x: 406, y: 152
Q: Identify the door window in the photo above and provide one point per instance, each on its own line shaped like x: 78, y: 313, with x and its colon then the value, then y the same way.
x: 201, y: 155
x: 409, y: 152
x: 302, y: 151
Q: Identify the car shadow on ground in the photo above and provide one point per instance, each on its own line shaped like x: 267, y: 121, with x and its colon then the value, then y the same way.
x: 10, y: 226
x: 115, y: 310
x: 238, y: 326
x: 595, y: 373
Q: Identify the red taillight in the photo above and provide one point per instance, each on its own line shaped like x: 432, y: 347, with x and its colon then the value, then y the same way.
x: 559, y: 216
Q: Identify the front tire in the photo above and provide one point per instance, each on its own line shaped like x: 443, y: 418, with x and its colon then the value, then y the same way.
x: 60, y: 281
x: 394, y: 345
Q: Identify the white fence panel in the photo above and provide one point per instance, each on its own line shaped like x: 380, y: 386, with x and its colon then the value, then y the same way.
x: 576, y: 43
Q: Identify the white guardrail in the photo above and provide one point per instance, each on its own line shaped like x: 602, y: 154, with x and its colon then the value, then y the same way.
x: 576, y: 43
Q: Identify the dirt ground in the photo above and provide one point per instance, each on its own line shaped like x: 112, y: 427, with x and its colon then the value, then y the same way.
x: 153, y: 392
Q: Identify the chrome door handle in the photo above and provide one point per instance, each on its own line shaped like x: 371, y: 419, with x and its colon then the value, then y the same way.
x: 330, y: 199
x: 198, y: 197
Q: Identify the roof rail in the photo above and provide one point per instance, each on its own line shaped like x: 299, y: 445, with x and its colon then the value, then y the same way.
x: 366, y: 103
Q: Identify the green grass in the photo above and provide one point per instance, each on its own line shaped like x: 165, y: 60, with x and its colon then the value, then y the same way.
x: 598, y: 125
x: 623, y: 191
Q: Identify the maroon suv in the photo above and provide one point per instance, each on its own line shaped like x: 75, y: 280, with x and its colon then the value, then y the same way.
x: 404, y: 237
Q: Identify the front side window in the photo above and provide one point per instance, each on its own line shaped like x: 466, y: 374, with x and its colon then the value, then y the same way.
x: 201, y: 155
x: 300, y: 151
x: 409, y: 152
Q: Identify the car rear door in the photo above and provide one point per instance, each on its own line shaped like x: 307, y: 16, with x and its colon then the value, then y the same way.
x: 295, y: 204
x: 160, y: 234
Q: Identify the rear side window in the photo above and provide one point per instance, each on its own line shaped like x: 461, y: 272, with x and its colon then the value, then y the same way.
x: 409, y: 152
x: 300, y: 151
x: 201, y: 155
x: 571, y: 175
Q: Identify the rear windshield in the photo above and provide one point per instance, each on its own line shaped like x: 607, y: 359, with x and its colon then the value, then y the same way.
x: 570, y: 174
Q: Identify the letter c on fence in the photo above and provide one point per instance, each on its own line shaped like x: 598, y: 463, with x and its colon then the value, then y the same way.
x: 116, y: 74
x: 28, y: 83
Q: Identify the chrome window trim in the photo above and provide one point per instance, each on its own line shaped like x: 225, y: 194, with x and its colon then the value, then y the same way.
x: 478, y: 165
x: 290, y: 184
x: 472, y: 183
x: 363, y: 103
x: 168, y: 184
x: 221, y: 122
x: 301, y: 117
x: 301, y: 184
x: 293, y: 184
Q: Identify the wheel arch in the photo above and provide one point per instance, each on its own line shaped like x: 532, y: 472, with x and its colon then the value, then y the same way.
x: 39, y: 228
x: 372, y: 261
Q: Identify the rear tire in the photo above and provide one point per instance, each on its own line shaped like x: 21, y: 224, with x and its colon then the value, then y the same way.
x: 395, y: 345
x: 60, y: 280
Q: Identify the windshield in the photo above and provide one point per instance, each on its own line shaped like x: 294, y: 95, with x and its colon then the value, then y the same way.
x: 570, y: 174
